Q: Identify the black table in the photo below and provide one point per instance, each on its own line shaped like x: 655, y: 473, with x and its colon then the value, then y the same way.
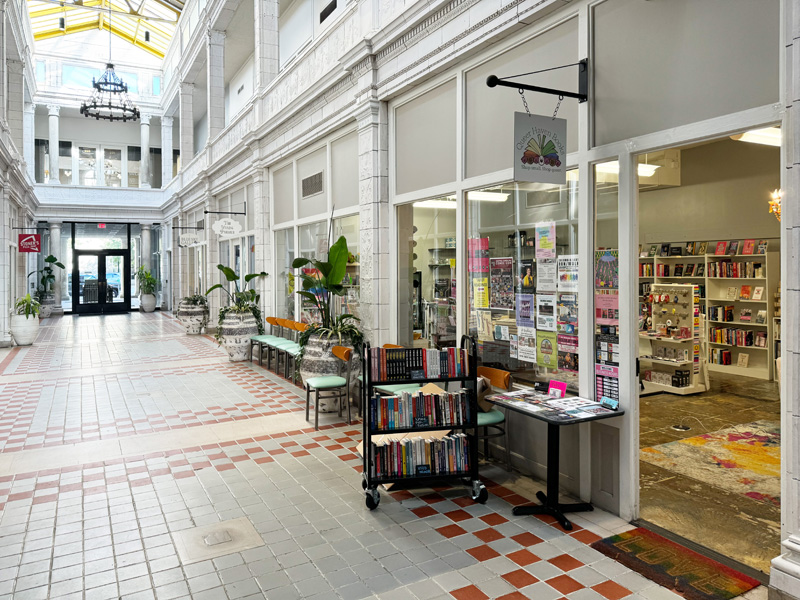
x: 555, y: 419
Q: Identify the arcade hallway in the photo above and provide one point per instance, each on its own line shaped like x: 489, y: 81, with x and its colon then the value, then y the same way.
x: 137, y: 462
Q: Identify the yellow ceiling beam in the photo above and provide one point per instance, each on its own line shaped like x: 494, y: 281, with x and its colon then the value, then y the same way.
x: 45, y: 35
x: 46, y: 12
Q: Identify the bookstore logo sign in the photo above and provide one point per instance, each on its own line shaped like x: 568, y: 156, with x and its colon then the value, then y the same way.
x: 540, y: 149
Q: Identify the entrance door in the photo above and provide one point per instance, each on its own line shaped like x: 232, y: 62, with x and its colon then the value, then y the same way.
x: 101, y: 282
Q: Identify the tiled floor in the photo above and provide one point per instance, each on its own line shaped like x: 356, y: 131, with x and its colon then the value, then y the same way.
x: 87, y: 513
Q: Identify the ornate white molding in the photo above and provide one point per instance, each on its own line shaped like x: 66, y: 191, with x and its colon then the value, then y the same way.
x: 146, y: 118
x: 53, y: 109
x: 167, y: 121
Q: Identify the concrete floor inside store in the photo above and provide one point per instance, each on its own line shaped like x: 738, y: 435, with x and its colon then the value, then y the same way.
x: 744, y: 529
x: 124, y: 443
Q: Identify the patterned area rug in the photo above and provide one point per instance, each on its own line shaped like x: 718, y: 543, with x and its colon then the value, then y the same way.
x: 671, y: 565
x: 745, y: 459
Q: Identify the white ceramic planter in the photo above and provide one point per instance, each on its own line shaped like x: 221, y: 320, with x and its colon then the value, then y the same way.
x: 24, y: 329
x: 47, y: 305
x: 192, y: 317
x: 319, y: 361
x: 235, y: 334
x: 147, y: 302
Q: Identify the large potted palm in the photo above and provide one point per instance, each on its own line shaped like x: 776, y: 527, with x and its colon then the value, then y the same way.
x: 321, y: 281
x: 241, y: 318
x: 147, y: 289
x: 24, y: 324
x: 44, y: 289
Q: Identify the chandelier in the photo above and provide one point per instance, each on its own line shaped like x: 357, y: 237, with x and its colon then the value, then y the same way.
x: 775, y: 203
x: 109, y: 100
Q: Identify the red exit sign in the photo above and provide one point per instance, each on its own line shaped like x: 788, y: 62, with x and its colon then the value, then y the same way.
x: 101, y: 225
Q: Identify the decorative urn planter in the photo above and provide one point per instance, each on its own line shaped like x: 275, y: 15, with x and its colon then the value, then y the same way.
x: 48, y: 303
x: 147, y: 302
x: 24, y: 330
x: 318, y: 360
x: 235, y: 333
x: 192, y: 316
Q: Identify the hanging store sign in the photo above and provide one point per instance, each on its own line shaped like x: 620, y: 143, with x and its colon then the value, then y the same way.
x: 29, y: 242
x: 226, y: 227
x: 540, y: 149
x: 188, y: 239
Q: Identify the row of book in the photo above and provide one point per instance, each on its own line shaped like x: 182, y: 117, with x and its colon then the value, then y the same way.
x: 406, y: 411
x: 645, y: 270
x: 737, y: 337
x: 680, y: 270
x: 721, y: 313
x: 412, y: 457
x: 734, y: 270
x: 718, y: 356
x: 396, y: 364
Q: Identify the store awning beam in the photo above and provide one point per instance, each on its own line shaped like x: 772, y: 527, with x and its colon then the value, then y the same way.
x: 583, y: 82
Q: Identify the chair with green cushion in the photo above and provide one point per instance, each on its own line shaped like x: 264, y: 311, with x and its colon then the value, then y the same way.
x: 337, y: 387
x: 261, y: 341
x: 495, y: 418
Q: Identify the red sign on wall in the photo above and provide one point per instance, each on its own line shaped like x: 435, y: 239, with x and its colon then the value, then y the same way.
x: 29, y: 242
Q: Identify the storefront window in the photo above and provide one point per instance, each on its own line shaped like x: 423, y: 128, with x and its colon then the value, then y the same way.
x: 112, y: 167
x: 349, y: 228
x: 426, y: 273
x: 522, y: 270
x: 65, y: 162
x: 285, y: 284
x: 225, y: 259
x: 313, y: 244
x: 134, y: 162
x: 87, y: 165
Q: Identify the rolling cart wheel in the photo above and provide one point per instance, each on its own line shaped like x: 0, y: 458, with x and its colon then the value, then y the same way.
x: 483, y: 496
x: 363, y: 484
x: 479, y: 492
x: 373, y: 499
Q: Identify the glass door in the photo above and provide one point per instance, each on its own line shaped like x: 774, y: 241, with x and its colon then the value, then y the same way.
x: 101, y: 282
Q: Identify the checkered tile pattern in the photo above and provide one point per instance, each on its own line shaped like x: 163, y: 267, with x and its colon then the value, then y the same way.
x: 75, y: 409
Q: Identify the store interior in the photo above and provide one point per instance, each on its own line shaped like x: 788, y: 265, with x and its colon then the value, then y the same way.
x: 709, y: 333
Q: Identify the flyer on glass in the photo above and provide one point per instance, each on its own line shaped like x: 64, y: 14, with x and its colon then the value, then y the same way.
x: 546, y: 312
x: 480, y: 292
x: 501, y: 283
x: 568, y: 273
x: 568, y: 352
x: 526, y: 310
x: 527, y: 282
x: 526, y: 345
x: 546, y: 275
x: 547, y: 350
x: 567, y: 313
x: 545, y: 240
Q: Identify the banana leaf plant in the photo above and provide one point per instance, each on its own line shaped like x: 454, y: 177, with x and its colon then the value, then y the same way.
x: 48, y: 276
x: 241, y: 299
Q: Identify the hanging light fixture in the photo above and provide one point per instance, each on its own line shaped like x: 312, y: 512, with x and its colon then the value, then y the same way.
x: 109, y: 100
x: 775, y: 203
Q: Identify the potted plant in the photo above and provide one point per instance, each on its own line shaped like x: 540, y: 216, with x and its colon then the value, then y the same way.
x: 241, y: 319
x: 321, y: 281
x: 44, y: 287
x: 193, y: 313
x: 24, y: 322
x: 147, y: 289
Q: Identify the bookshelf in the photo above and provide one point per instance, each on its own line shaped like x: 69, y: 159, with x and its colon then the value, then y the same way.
x: 435, y: 457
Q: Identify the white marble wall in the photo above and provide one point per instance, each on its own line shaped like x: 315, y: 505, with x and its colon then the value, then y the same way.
x: 6, y: 302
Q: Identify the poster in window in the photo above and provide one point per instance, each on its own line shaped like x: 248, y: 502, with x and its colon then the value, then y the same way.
x: 545, y: 240
x: 567, y: 311
x: 546, y: 275
x: 546, y: 312
x: 513, y: 346
x: 568, y: 273
x: 478, y: 255
x: 606, y: 306
x: 547, y: 350
x: 502, y: 283
x: 527, y: 281
x: 606, y: 269
x: 568, y: 352
x: 485, y: 330
x: 480, y: 292
x: 526, y: 345
x: 526, y: 310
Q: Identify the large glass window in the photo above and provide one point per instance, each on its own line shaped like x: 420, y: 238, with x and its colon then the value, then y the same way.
x: 522, y: 279
x: 426, y: 273
x: 348, y: 304
x: 87, y: 165
x: 285, y: 284
x: 134, y: 165
x: 65, y: 162
x: 313, y: 244
x: 112, y: 167
x: 101, y: 236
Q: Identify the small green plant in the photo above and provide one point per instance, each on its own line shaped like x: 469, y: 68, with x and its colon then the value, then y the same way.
x: 47, y: 278
x: 241, y: 300
x: 27, y: 305
x: 195, y: 300
x: 147, y: 283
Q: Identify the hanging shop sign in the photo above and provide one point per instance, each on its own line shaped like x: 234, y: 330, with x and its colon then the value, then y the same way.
x: 226, y: 227
x: 29, y: 242
x: 540, y: 149
x: 188, y: 239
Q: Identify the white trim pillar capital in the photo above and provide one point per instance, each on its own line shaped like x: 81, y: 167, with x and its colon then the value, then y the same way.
x: 146, y: 118
x: 53, y: 109
x: 166, y: 122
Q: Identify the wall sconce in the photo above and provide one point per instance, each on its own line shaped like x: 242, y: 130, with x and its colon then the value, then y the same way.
x: 775, y: 203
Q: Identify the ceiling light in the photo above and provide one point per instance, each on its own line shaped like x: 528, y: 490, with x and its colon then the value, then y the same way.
x: 487, y: 196
x: 771, y: 136
x: 436, y: 204
x: 644, y: 169
x: 776, y: 198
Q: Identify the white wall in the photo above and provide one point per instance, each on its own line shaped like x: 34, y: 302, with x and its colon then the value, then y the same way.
x: 295, y: 26
x: 200, y: 133
x: 240, y: 90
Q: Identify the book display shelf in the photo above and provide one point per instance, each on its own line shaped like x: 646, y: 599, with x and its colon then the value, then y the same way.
x: 440, y: 442
x: 736, y: 283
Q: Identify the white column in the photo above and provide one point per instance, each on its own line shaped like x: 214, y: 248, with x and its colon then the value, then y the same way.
x: 144, y: 165
x: 166, y: 151
x: 260, y: 206
x: 28, y: 143
x: 187, y: 123
x: 55, y: 250
x: 16, y: 95
x: 212, y: 260
x: 6, y: 302
x: 266, y: 42
x: 373, y: 141
x: 3, y: 70
x: 215, y: 66
x: 147, y: 250
x: 53, y: 110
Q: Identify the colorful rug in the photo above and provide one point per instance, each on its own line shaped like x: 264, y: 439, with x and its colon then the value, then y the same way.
x: 671, y: 565
x: 745, y: 459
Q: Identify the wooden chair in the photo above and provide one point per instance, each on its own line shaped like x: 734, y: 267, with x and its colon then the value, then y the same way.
x: 338, y: 387
x: 495, y: 418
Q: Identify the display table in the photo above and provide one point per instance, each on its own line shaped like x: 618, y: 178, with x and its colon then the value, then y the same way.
x: 556, y: 412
